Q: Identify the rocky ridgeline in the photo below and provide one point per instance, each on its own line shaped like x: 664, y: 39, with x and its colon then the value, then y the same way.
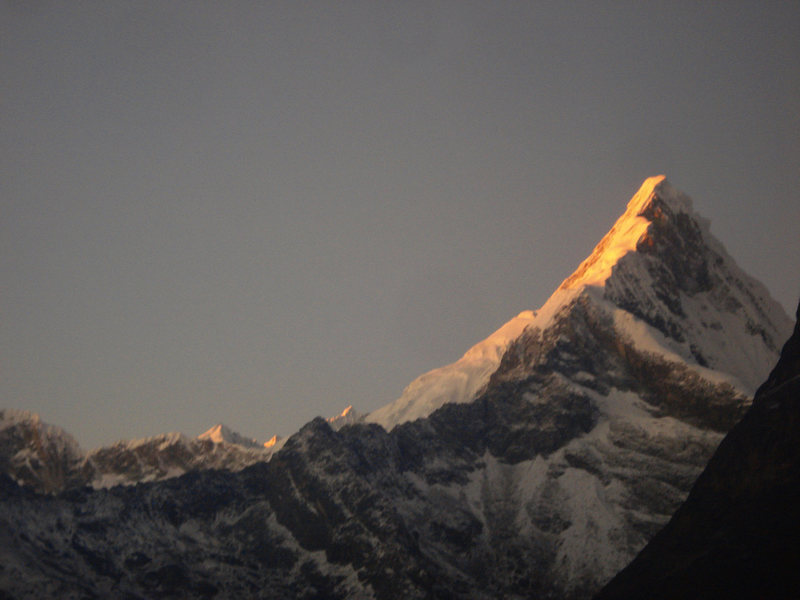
x: 47, y: 459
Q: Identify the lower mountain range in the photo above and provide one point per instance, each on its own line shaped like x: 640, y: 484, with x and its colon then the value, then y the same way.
x: 537, y: 466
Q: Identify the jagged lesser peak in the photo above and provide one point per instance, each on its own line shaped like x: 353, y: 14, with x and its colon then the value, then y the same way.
x: 347, y: 417
x: 221, y: 433
x: 274, y: 442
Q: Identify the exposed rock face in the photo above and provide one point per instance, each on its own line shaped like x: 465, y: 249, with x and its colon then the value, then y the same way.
x: 736, y: 536
x: 561, y: 445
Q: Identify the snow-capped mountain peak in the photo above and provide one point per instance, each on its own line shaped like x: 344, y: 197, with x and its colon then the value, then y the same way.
x: 222, y: 434
x: 546, y: 458
x: 668, y: 284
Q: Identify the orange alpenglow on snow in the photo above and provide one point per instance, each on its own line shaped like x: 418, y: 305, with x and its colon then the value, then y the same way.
x: 272, y: 441
x: 629, y: 230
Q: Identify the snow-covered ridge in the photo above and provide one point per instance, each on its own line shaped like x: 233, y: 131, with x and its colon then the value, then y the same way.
x: 458, y: 382
x: 170, y: 455
x: 48, y: 459
x: 22, y: 424
x: 11, y: 416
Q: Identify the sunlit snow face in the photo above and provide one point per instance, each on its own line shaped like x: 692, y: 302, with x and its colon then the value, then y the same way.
x: 622, y: 238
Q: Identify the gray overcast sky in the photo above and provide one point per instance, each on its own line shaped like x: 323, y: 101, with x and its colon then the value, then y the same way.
x: 260, y: 212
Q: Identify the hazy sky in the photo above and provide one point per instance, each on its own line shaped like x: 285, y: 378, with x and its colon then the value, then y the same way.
x: 260, y: 212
